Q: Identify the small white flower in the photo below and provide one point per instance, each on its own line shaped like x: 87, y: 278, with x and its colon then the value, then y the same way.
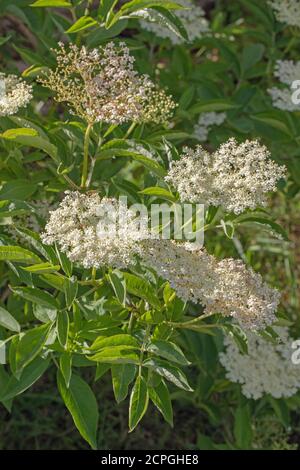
x: 226, y: 287
x: 90, y: 230
x: 205, y: 122
x: 15, y: 93
x: 101, y: 85
x: 287, y: 72
x: 287, y: 11
x: 266, y: 369
x: 236, y: 176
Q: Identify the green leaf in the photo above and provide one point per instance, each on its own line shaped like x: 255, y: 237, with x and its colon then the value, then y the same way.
x: 171, y: 373
x: 81, y: 403
x: 281, y: 410
x: 152, y: 165
x: 101, y: 369
x: 33, y: 294
x: 52, y: 3
x: 162, y: 16
x: 116, y: 355
x: 273, y: 119
x: 261, y: 12
x: 65, y: 263
x: 115, y: 340
x: 212, y: 105
x: 83, y: 23
x: 8, y: 321
x: 41, y: 268
x: 62, y: 326
x: 16, y: 253
x: 252, y: 54
x: 44, y: 314
x: 28, y: 377
x: 105, y: 7
x: 17, y: 189
x: 160, y: 193
x: 242, y: 427
x: 71, y: 289
x: 160, y: 396
x: 119, y: 285
x: 238, y: 336
x: 167, y: 350
x: 34, y: 239
x: 122, y: 376
x: 139, y: 400
x: 135, y: 5
x: 65, y: 366
x: 141, y: 288
x: 31, y: 139
x: 264, y: 222
x: 13, y: 133
x: 30, y: 345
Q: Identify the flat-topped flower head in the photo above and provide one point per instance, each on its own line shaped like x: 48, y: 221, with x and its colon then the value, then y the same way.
x: 236, y: 176
x: 287, y: 72
x: 287, y: 11
x: 95, y: 232
x: 15, y: 93
x: 266, y: 369
x: 192, y: 18
x: 101, y: 85
x: 226, y: 287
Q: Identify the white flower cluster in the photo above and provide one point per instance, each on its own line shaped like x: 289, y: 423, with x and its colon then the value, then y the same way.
x: 103, y: 232
x: 236, y: 176
x: 101, y: 85
x: 206, y: 122
x: 266, y: 369
x: 14, y: 94
x: 287, y: 72
x: 95, y: 232
x: 192, y: 19
x: 287, y: 11
x: 226, y: 287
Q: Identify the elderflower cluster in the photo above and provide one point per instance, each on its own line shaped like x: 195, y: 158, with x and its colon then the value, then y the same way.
x: 226, y: 287
x: 266, y: 369
x: 236, y: 176
x: 101, y: 85
x: 205, y: 122
x: 287, y: 11
x: 14, y: 94
x: 192, y: 19
x: 287, y: 72
x: 95, y: 232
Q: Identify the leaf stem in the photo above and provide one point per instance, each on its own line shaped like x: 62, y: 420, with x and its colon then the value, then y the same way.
x: 143, y: 347
x: 85, y: 165
x: 130, y: 324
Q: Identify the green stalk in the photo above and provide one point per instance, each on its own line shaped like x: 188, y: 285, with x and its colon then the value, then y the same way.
x: 129, y: 131
x: 147, y: 335
x: 85, y: 165
x: 191, y: 322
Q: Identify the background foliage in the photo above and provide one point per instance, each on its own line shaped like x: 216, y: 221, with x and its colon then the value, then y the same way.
x: 229, y: 71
